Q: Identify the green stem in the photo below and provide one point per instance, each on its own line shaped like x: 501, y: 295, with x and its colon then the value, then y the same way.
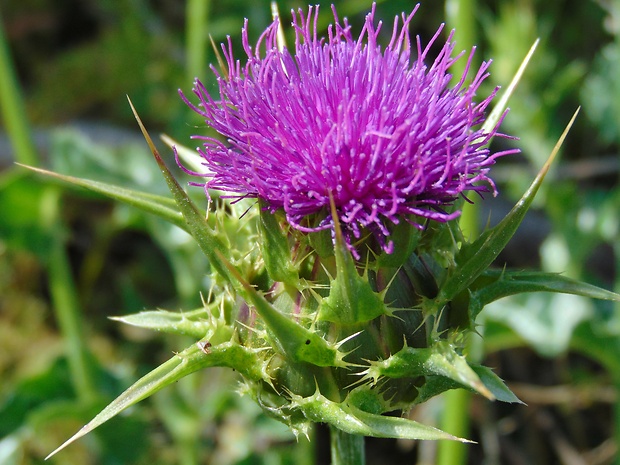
x: 65, y: 303
x: 12, y: 109
x: 455, y: 421
x: 347, y: 449
x: 197, y: 14
x: 460, y: 17
x: 62, y: 288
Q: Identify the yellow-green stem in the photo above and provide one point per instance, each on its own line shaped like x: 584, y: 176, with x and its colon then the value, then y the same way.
x: 197, y: 14
x: 460, y: 16
x: 346, y: 449
x: 455, y: 420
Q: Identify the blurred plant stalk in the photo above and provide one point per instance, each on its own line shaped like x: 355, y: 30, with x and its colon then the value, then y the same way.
x: 64, y: 297
x: 460, y: 17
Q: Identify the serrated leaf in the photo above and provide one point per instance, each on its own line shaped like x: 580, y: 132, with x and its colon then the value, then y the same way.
x: 351, y: 299
x: 504, y: 283
x: 495, y: 384
x: 188, y: 361
x: 435, y: 385
x: 476, y: 257
x: 158, y: 205
x: 194, y: 323
x: 438, y: 360
x: 352, y: 420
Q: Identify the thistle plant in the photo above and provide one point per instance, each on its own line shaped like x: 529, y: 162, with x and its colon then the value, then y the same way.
x: 342, y: 288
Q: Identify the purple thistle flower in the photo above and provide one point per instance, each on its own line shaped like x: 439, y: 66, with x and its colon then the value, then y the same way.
x: 377, y: 130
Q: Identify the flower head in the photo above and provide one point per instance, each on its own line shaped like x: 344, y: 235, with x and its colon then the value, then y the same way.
x: 375, y: 130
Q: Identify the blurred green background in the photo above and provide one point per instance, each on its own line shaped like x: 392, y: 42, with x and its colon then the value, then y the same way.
x: 69, y: 259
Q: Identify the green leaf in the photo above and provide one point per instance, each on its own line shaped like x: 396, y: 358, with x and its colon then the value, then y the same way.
x: 195, y: 323
x: 163, y: 207
x: 190, y: 360
x: 475, y: 258
x: 351, y: 299
x: 495, y: 384
x: 197, y: 224
x: 504, y: 283
x: 352, y: 420
x: 433, y: 386
x: 546, y: 321
x: 439, y: 360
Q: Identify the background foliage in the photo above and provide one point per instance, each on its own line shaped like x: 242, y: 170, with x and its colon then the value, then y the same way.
x: 69, y: 260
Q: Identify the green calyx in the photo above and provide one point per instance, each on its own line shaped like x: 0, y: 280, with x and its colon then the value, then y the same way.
x: 351, y: 299
x: 276, y: 251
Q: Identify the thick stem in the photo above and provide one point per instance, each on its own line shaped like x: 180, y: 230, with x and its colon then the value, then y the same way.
x: 347, y: 449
